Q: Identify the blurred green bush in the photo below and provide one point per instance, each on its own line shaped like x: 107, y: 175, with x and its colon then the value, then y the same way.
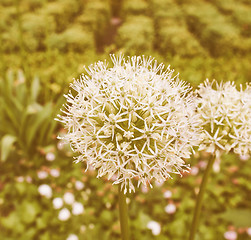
x: 136, y: 35
x: 26, y: 125
x: 134, y: 8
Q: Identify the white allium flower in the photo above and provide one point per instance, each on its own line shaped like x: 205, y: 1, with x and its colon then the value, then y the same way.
x: 244, y: 157
x: 77, y: 208
x: 226, y: 114
x: 135, y: 120
x: 69, y: 198
x: 45, y: 190
x: 79, y: 185
x: 72, y: 237
x: 159, y: 183
x: 170, y: 208
x: 64, y: 214
x: 57, y: 203
x: 155, y: 227
x: 230, y: 235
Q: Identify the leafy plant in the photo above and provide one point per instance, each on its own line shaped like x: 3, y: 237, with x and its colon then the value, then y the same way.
x: 26, y: 125
x: 136, y: 35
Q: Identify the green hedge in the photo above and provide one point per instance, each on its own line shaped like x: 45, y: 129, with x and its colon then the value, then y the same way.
x: 136, y: 35
x: 134, y: 7
x: 75, y: 39
x: 96, y: 18
x: 177, y: 40
x: 166, y: 9
x: 62, y: 11
x: 215, y: 33
x: 242, y: 17
x: 238, y: 13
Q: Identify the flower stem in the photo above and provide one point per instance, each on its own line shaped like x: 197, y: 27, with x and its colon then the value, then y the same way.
x: 197, y: 210
x: 123, y: 215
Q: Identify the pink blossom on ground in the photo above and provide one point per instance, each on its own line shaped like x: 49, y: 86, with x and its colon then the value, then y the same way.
x: 50, y: 157
x: 230, y: 235
x: 167, y: 194
x: 55, y: 172
x: 170, y: 208
x: 42, y: 174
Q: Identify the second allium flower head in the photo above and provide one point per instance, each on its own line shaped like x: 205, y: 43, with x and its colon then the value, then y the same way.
x: 134, y: 120
x: 226, y: 117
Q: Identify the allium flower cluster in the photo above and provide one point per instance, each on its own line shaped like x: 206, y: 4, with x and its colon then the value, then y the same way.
x: 134, y: 120
x: 226, y: 116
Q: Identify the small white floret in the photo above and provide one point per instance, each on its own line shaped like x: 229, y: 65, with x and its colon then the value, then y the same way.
x: 45, y: 190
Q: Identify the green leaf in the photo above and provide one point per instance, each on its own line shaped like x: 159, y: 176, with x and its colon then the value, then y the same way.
x: 12, y: 221
x: 38, y: 124
x: 6, y: 145
x: 28, y: 211
x: 45, y: 236
x: 143, y: 219
x: 21, y: 187
x: 21, y: 94
x: 238, y: 217
x: 35, y: 88
x: 9, y: 113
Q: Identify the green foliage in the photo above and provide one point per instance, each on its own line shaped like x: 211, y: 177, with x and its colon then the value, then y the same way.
x: 214, y: 32
x: 24, y: 120
x: 242, y: 16
x: 74, y: 39
x: 36, y: 28
x: 167, y: 10
x: 62, y: 11
x: 136, y: 35
x: 176, y: 40
x: 95, y: 18
x: 134, y: 7
x: 51, y: 40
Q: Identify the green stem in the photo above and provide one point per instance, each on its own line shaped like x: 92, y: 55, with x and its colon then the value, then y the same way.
x: 123, y: 214
x: 197, y: 210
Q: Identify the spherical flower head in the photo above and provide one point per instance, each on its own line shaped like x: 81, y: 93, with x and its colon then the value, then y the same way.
x: 225, y: 113
x: 134, y: 120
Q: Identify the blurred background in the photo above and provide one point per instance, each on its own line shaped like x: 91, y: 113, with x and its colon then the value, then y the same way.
x: 44, y: 44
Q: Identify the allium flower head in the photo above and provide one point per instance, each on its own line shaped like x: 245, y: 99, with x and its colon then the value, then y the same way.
x: 134, y: 120
x: 226, y: 117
